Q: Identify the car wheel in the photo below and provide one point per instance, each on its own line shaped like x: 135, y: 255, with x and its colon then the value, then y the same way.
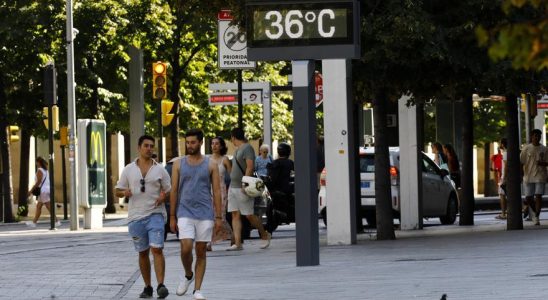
x: 451, y: 214
x: 324, y: 216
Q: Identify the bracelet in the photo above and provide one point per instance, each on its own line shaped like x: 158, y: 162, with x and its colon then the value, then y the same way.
x: 220, y: 218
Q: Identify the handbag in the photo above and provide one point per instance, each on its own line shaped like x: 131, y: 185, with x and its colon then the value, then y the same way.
x: 37, y: 189
x: 259, y: 181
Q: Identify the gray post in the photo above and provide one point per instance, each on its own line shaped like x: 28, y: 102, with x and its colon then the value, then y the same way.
x: 136, y: 99
x: 267, y: 117
x: 71, y: 108
x: 304, y: 118
x: 50, y: 93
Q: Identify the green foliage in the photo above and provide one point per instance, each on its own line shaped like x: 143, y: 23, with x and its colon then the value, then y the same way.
x: 522, y: 36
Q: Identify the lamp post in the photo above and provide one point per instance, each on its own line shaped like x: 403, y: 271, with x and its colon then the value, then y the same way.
x: 74, y: 222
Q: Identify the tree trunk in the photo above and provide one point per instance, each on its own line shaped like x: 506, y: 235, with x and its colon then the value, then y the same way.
x: 6, y: 196
x: 467, y: 201
x: 111, y: 209
x: 514, y: 220
x: 24, y: 173
x: 385, y: 219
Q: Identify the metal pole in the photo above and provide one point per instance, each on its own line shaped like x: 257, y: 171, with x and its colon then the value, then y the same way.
x: 71, y: 105
x: 65, y: 199
x: 161, y: 132
x: 51, y: 171
x: 240, y: 105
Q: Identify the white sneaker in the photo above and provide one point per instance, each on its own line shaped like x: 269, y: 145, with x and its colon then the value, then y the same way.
x: 30, y: 224
x: 235, y: 248
x: 266, y: 242
x: 183, y: 286
x: 58, y: 224
x: 198, y: 295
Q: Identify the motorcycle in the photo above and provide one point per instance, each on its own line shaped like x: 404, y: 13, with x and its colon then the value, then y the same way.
x: 280, y: 206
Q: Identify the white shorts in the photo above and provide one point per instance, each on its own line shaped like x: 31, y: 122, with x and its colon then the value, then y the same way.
x: 534, y: 188
x: 238, y: 201
x: 44, y: 197
x: 197, y: 230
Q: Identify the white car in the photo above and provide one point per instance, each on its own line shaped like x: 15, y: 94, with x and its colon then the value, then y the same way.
x: 439, y: 192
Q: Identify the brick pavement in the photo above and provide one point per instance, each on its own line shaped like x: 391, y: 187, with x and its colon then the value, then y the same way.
x: 478, y: 262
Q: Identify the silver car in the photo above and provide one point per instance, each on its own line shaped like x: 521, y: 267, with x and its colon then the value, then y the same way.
x: 439, y: 192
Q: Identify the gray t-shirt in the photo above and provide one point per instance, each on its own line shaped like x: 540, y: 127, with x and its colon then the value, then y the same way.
x: 243, y: 153
x: 141, y: 204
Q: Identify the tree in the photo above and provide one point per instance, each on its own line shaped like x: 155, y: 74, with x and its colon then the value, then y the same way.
x: 521, y: 37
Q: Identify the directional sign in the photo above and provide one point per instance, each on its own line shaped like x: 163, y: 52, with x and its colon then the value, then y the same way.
x: 227, y: 98
x: 232, y: 44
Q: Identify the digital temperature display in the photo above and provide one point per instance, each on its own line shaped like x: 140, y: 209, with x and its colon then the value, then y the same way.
x: 287, y: 28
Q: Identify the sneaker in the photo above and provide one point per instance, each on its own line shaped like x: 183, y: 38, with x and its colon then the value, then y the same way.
x: 162, y: 291
x: 183, y: 286
x: 147, y: 292
x: 235, y: 248
x: 266, y: 242
x: 58, y: 224
x: 197, y: 295
x: 30, y: 224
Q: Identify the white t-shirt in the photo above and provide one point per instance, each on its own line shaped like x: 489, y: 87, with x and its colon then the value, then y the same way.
x: 529, y: 158
x: 141, y: 204
x: 503, y: 171
x: 44, y: 183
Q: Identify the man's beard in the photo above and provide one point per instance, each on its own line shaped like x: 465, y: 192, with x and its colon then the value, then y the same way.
x: 192, y: 151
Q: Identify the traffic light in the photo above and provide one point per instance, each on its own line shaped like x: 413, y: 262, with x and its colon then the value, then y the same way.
x: 55, y: 119
x: 166, y: 116
x: 159, y: 80
x: 13, y: 133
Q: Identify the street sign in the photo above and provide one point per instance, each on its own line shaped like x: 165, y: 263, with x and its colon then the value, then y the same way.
x: 228, y: 98
x: 232, y: 44
x: 302, y: 29
x: 318, y: 87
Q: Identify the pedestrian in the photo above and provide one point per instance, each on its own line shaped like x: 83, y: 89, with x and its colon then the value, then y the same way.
x: 496, y: 165
x: 262, y: 160
x: 41, y: 183
x: 533, y: 161
x: 502, y: 180
x: 194, y: 177
x: 439, y: 157
x: 218, y: 156
x: 146, y: 183
x: 240, y: 203
x: 453, y: 164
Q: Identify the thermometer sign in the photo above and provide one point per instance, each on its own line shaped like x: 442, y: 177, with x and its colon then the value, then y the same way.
x: 290, y: 24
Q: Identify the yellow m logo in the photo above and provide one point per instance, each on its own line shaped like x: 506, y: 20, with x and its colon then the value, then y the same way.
x: 96, y: 148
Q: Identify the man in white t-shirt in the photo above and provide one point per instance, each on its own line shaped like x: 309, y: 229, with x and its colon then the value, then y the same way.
x: 533, y: 161
x: 146, y: 184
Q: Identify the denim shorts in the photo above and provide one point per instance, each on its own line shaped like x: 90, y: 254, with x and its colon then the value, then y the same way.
x: 147, y: 232
x: 534, y: 188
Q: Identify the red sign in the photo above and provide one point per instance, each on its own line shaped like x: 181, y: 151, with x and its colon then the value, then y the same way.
x: 318, y: 87
x: 224, y: 15
x: 542, y: 105
x: 223, y: 98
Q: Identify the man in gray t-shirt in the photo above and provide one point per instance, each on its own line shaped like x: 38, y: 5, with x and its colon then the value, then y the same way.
x: 238, y: 202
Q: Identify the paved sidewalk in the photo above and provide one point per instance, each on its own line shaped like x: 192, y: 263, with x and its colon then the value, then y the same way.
x: 477, y: 262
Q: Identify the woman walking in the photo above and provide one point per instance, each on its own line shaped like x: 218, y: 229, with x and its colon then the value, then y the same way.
x: 218, y: 150
x: 41, y: 182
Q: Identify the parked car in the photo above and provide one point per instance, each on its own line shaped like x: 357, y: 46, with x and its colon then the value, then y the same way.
x: 439, y: 192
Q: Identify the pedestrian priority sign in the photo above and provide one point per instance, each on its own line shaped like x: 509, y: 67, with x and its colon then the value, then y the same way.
x: 232, y: 44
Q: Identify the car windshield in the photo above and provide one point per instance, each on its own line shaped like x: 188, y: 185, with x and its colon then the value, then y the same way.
x: 367, y: 164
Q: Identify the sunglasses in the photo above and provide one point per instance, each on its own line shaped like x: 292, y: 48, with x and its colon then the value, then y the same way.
x: 142, y: 185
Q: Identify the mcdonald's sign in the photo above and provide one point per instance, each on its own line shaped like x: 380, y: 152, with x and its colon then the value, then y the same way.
x: 93, y: 159
x: 96, y: 154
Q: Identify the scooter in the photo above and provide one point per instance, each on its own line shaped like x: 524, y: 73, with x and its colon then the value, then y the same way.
x: 281, y: 209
